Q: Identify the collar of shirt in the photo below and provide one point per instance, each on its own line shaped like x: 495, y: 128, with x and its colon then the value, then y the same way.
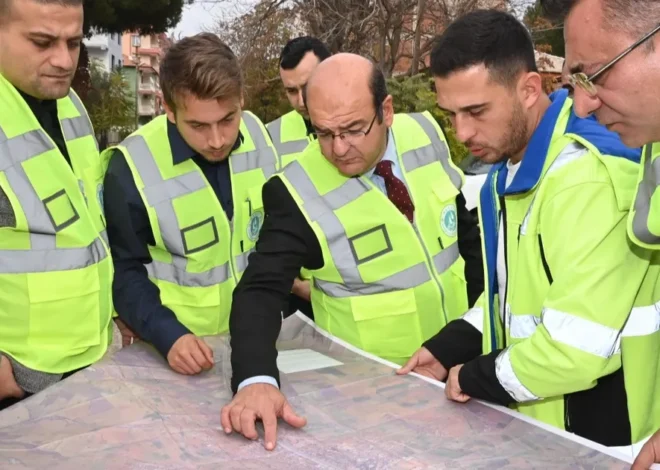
x: 389, y: 155
x: 181, y: 151
x: 40, y: 108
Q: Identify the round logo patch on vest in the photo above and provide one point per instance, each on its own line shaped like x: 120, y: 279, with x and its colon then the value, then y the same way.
x: 449, y: 220
x: 254, y: 225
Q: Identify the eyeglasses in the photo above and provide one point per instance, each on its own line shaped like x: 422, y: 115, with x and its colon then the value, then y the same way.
x: 586, y: 82
x: 351, y: 137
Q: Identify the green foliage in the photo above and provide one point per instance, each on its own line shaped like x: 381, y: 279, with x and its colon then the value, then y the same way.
x: 416, y: 94
x: 547, y: 35
x: 257, y: 38
x: 109, y: 102
x: 117, y: 16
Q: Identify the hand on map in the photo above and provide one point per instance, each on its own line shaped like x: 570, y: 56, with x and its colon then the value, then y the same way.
x: 424, y: 363
x: 302, y: 289
x: 259, y: 401
x: 190, y: 355
x: 8, y: 386
x: 649, y: 454
x: 453, y: 388
x: 128, y: 337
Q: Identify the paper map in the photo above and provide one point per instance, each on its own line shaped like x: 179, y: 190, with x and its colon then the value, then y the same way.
x: 130, y: 411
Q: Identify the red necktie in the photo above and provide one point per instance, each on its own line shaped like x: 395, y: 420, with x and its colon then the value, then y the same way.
x: 396, y: 190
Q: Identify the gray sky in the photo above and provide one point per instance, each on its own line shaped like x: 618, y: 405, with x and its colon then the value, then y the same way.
x: 203, y: 14
x: 196, y: 17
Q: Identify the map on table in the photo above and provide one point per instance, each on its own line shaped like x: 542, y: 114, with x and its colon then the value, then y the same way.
x: 130, y: 411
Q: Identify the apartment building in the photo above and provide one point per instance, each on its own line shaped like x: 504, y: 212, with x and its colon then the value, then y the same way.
x: 143, y: 58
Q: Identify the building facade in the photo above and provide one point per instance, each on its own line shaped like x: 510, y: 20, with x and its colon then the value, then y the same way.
x: 106, y: 49
x: 144, y: 61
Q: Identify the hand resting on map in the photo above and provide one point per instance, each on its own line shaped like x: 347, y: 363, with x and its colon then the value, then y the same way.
x: 259, y: 402
x: 424, y: 363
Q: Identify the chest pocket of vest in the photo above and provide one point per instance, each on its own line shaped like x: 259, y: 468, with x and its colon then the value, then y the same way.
x: 390, y: 314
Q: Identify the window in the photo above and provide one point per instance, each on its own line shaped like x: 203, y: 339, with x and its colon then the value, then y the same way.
x: 112, y: 62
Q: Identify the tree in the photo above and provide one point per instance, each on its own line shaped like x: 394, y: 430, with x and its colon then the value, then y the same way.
x: 109, y: 103
x: 385, y: 30
x: 257, y: 38
x: 548, y: 36
x: 415, y: 94
x: 117, y: 16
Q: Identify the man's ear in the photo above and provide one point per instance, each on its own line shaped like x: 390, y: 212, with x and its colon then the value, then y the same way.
x: 530, y: 89
x: 171, y: 114
x: 388, y: 111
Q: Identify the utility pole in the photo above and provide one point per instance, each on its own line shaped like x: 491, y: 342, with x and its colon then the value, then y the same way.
x: 136, y: 43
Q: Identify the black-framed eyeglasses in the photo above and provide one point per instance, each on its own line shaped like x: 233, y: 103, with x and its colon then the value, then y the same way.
x: 351, y: 137
x: 586, y: 82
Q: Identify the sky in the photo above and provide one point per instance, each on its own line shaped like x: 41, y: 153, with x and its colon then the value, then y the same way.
x: 204, y: 13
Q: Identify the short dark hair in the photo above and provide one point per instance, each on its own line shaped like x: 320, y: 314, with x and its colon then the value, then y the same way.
x: 632, y: 16
x: 378, y: 88
x: 5, y: 5
x: 490, y: 37
x: 203, y: 66
x: 295, y: 50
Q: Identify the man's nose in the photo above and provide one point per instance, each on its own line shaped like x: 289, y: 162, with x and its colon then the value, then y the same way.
x: 464, y: 130
x: 61, y: 57
x: 340, y: 146
x: 585, y: 104
x: 216, y: 139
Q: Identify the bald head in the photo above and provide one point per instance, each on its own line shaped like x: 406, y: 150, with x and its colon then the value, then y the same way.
x: 348, y: 104
x: 345, y: 77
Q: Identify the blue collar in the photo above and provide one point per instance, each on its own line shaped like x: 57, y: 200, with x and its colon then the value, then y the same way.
x: 527, y: 177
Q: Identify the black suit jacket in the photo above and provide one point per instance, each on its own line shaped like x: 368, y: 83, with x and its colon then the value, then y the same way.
x: 286, y: 244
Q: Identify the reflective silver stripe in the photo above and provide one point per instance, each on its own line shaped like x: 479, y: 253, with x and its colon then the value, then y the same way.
x: 263, y: 156
x: 508, y: 379
x: 648, y: 185
x: 275, y: 130
x: 446, y: 258
x: 43, y: 256
x: 580, y: 333
x: 522, y: 326
x: 18, y: 150
x: 406, y: 279
x: 104, y: 236
x: 320, y: 210
x: 291, y: 147
x: 643, y: 321
x: 242, y: 261
x: 81, y: 126
x: 475, y: 317
x: 569, y: 154
x: 161, y: 192
x: 288, y: 147
x: 74, y: 128
x: 59, y: 259
x: 436, y: 151
x: 170, y: 273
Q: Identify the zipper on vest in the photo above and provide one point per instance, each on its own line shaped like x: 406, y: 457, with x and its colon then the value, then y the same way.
x: 506, y: 266
x: 429, y: 259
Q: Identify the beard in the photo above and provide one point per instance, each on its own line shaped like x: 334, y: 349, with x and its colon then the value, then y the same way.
x: 515, y: 138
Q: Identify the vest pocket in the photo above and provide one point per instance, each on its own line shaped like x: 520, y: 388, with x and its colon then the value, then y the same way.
x: 64, y: 311
x: 387, y: 324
